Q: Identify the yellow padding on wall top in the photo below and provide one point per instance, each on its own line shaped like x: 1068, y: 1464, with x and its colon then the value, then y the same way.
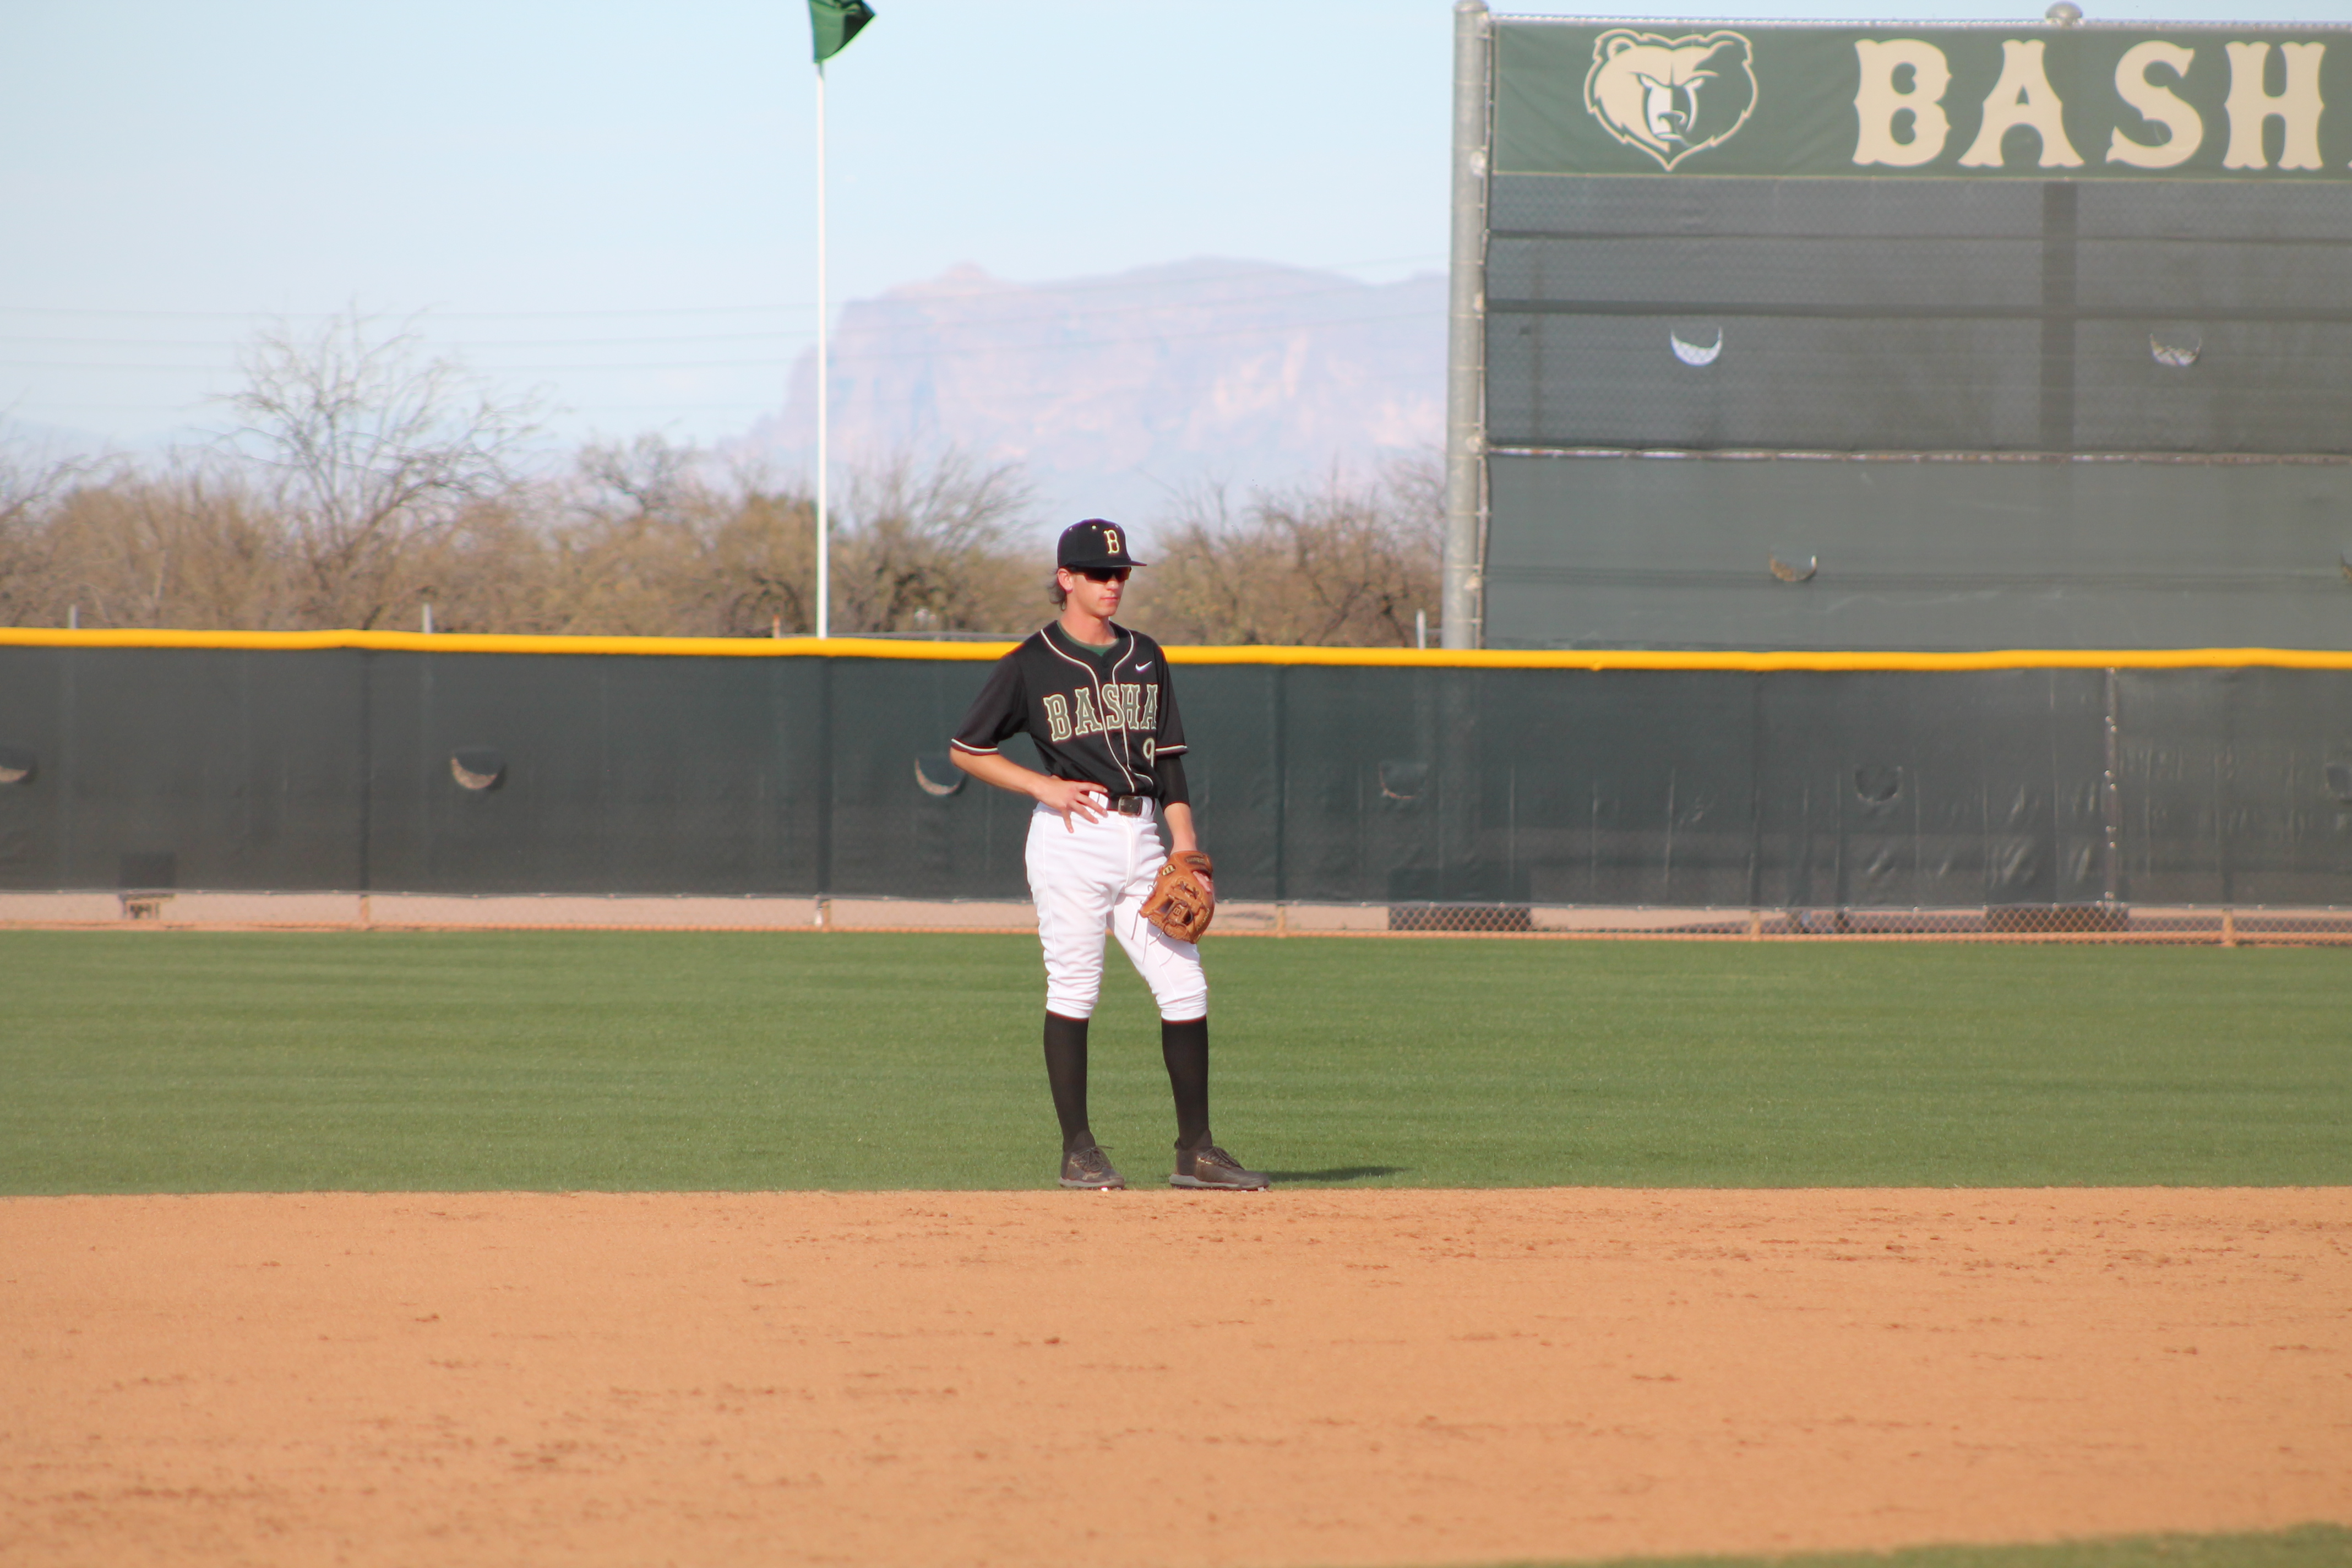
x: 975, y: 652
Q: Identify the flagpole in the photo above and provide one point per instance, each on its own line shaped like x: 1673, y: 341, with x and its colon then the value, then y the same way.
x: 823, y: 394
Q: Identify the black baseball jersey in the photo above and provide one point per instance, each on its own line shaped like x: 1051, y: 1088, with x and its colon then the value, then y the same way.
x: 1107, y: 719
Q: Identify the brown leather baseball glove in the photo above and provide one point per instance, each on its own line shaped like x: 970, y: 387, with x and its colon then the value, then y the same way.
x: 1181, y: 902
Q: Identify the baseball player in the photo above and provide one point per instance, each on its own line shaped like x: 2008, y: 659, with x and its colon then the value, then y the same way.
x: 1096, y: 700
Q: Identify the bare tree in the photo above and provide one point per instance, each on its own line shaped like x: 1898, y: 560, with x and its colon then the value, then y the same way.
x: 492, y: 568
x: 373, y: 452
x: 625, y: 540
x: 648, y: 478
x: 30, y: 482
x: 762, y: 563
x: 1347, y: 564
x: 30, y: 477
x: 926, y: 548
x: 374, y: 488
x: 657, y: 540
x: 184, y: 547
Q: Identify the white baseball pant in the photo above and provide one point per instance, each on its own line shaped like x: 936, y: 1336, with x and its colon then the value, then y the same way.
x: 1090, y: 877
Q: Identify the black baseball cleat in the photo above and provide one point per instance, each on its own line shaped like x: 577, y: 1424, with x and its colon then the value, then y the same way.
x: 1090, y: 1167
x: 1209, y: 1166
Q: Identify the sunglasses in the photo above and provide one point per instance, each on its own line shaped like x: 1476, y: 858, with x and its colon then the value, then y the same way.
x: 1104, y: 573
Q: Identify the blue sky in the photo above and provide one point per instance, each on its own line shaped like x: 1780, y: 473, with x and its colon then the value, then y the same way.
x: 614, y: 202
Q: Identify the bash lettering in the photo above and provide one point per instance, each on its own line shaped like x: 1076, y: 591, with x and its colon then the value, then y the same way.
x: 2023, y: 97
x: 1880, y: 100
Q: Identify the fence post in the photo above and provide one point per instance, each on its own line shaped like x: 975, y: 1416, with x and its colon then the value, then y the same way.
x: 1279, y: 678
x: 366, y: 846
x: 830, y: 742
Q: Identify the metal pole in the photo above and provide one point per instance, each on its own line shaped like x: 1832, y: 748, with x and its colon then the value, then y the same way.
x: 1462, y: 614
x: 823, y: 392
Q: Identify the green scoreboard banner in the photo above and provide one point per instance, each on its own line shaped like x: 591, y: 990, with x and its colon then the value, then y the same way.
x: 2223, y: 102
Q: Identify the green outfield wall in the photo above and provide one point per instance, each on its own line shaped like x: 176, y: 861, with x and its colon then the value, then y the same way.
x: 1889, y: 335
x: 522, y: 765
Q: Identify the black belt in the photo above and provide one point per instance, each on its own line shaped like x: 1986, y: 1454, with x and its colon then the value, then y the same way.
x: 1130, y: 804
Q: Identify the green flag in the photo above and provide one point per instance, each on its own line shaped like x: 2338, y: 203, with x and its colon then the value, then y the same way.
x: 834, y: 23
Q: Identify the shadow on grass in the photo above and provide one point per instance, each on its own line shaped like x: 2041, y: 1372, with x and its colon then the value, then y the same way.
x: 1339, y: 1173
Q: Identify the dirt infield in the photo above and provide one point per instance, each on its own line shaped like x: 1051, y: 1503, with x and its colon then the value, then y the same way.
x: 1294, y: 1378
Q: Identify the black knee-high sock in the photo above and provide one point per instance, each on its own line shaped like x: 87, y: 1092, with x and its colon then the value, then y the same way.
x: 1185, y: 1047
x: 1065, y: 1071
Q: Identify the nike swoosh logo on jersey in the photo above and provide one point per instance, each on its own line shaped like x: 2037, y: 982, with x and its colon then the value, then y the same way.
x: 1144, y: 665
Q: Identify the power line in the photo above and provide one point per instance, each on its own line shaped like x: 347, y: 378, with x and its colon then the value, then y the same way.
x: 944, y: 352
x: 1271, y: 331
x: 1255, y: 270
x: 502, y: 342
x: 39, y: 409
x: 950, y: 325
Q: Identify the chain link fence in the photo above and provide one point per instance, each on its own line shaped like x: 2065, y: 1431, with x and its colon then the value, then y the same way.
x: 1414, y: 796
x: 2179, y: 926
x: 2010, y: 922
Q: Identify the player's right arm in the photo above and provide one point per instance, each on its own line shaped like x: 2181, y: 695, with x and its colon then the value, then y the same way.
x: 1062, y: 796
x: 1000, y: 712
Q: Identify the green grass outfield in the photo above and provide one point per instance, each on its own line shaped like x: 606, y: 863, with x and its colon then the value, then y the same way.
x: 192, y: 1061
x: 2310, y: 1546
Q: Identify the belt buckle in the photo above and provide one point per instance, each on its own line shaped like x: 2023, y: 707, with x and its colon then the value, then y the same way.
x: 1127, y: 804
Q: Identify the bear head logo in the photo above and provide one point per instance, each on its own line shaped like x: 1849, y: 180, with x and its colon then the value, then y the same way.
x: 1671, y: 97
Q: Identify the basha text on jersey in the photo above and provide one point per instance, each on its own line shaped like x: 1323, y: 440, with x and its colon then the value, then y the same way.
x: 1101, y: 716
x: 1136, y: 707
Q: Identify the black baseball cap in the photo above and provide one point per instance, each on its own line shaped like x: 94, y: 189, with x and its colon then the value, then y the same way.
x: 1092, y: 543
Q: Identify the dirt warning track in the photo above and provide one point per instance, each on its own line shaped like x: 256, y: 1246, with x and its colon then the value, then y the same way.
x: 1292, y: 1378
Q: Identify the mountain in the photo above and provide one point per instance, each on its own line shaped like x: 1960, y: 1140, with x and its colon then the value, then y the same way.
x: 1116, y: 393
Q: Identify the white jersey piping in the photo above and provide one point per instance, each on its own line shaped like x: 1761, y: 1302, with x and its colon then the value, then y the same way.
x: 1092, y: 675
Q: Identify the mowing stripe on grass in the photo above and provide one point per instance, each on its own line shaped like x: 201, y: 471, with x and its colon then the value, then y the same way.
x: 197, y: 1061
